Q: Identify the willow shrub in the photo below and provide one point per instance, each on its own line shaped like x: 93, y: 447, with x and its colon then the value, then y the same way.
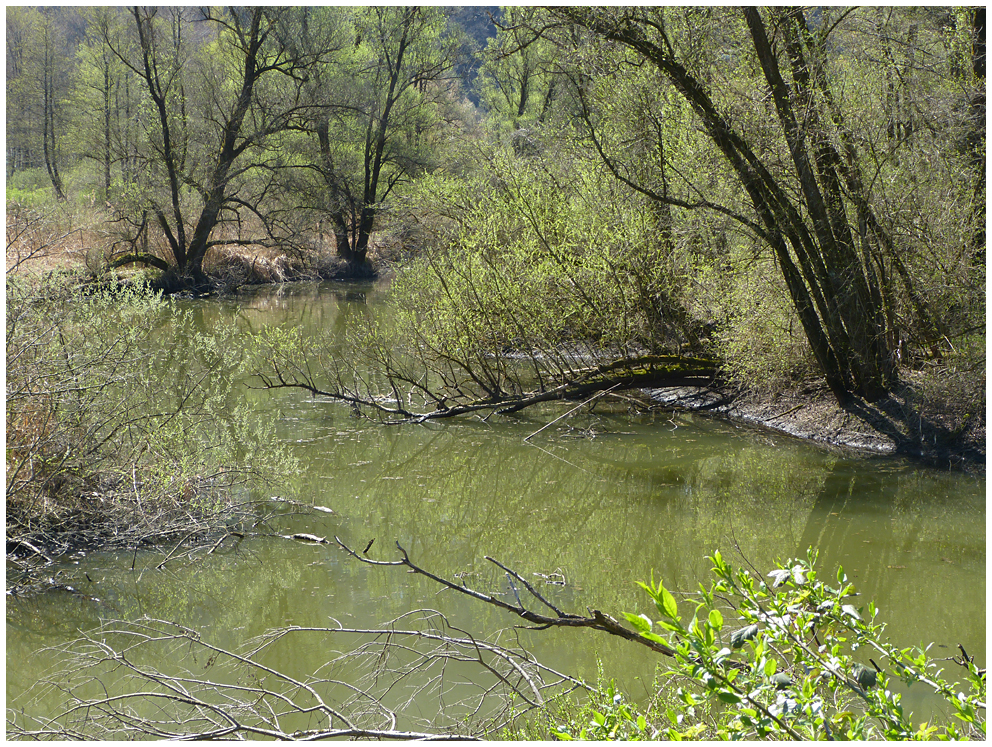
x: 790, y: 657
x: 122, y: 415
x: 539, y: 255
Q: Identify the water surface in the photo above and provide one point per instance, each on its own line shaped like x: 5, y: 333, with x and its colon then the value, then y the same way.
x: 600, y: 501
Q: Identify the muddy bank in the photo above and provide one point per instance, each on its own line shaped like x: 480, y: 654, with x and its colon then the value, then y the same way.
x: 896, y: 425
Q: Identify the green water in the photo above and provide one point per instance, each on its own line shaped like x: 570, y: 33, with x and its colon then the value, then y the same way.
x: 603, y: 499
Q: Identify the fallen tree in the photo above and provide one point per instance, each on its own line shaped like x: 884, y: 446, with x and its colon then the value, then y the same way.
x: 447, y: 388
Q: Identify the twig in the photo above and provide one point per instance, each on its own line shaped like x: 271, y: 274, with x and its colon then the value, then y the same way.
x: 783, y: 414
x: 527, y: 586
x: 591, y: 399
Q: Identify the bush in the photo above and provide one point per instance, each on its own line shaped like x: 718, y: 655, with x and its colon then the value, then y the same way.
x: 116, y: 433
x: 791, y: 658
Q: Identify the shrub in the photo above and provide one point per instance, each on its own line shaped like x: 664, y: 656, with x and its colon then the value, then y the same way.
x: 788, y: 658
x: 115, y: 432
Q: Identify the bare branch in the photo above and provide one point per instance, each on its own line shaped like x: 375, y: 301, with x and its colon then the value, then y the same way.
x: 598, y: 621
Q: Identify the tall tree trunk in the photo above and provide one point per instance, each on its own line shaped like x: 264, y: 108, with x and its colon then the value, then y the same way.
x: 375, y: 149
x: 230, y: 150
x: 977, y: 136
x: 828, y: 284
x: 858, y: 325
x: 48, y: 116
x: 336, y: 191
x: 106, y: 130
x: 150, y: 73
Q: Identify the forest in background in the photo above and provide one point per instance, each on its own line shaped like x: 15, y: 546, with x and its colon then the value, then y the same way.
x: 782, y: 194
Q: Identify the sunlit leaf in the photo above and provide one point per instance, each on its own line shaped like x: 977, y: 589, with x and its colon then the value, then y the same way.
x: 779, y: 576
x: 716, y: 619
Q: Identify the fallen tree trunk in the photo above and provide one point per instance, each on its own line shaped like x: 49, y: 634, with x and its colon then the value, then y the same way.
x: 619, y: 375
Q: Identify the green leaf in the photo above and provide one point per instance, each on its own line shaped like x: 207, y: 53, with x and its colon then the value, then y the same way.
x: 779, y: 577
x: 716, y: 619
x: 728, y: 697
x: 850, y: 610
x: 640, y: 622
x: 666, y: 603
x: 770, y: 666
x: 738, y: 638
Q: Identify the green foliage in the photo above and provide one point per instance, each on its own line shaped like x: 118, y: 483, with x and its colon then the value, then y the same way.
x: 610, y: 718
x: 519, y: 82
x: 759, y: 335
x: 117, y: 403
x: 787, y: 658
x: 523, y: 261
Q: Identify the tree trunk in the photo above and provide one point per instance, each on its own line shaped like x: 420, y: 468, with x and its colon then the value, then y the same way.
x: 977, y: 136
x: 375, y: 150
x: 48, y: 125
x: 337, y: 194
x: 827, y: 281
x: 106, y: 130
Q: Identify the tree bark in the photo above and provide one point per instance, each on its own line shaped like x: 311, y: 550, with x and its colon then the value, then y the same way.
x: 48, y: 117
x: 826, y: 279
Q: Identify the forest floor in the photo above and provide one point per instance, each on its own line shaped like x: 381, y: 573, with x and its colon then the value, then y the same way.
x: 941, y: 433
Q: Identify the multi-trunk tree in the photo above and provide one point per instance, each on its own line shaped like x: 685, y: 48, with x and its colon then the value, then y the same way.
x: 218, y: 87
x: 519, y: 79
x: 380, y: 108
x: 813, y: 209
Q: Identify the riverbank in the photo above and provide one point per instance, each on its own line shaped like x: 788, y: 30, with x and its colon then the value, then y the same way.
x: 939, y: 434
x: 941, y: 431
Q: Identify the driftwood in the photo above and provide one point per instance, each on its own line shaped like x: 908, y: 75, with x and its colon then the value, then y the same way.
x: 624, y: 374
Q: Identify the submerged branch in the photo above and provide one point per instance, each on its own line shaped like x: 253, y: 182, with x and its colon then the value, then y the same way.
x: 627, y: 373
x: 185, y: 701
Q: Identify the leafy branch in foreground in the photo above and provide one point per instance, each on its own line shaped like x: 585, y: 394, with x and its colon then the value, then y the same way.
x: 804, y: 678
x: 784, y: 659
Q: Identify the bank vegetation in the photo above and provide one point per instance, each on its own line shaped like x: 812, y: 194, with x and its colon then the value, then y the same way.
x: 793, y: 194
x: 574, y: 202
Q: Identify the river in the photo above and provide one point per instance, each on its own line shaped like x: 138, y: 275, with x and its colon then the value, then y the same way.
x: 599, y: 501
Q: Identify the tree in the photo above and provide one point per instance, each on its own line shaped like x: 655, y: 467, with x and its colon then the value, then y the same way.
x: 817, y: 216
x: 518, y: 81
x: 38, y: 86
x: 379, y: 115
x: 102, y: 102
x: 214, y: 112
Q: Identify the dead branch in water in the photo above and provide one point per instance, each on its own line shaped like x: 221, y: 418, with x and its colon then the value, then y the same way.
x: 597, y: 621
x: 357, y: 693
x: 620, y: 375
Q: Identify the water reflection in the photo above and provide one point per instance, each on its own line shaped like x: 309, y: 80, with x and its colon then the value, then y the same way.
x: 603, y: 499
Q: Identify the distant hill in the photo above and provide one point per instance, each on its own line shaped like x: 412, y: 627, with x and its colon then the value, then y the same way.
x: 477, y: 21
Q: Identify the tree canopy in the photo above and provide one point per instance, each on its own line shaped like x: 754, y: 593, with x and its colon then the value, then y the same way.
x: 782, y: 190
